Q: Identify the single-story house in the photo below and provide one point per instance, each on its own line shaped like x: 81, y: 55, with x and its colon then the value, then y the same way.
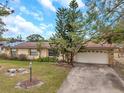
x: 29, y: 49
x: 91, y: 53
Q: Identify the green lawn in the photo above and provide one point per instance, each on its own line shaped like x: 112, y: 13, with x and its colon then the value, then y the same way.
x: 49, y: 73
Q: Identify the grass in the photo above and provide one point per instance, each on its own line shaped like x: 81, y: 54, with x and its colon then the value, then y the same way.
x: 49, y: 73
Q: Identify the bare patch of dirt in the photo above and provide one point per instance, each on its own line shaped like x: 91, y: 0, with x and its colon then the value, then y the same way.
x: 27, y: 84
x: 66, y: 65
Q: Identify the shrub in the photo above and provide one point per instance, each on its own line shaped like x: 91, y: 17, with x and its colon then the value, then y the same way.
x: 22, y: 57
x: 3, y: 56
x: 48, y: 59
x: 13, y: 58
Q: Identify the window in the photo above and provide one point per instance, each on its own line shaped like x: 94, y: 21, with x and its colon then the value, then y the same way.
x: 13, y: 52
x: 33, y: 52
x: 53, y: 52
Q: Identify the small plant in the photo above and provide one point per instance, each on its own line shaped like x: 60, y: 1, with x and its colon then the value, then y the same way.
x: 4, y: 56
x: 47, y: 59
x: 13, y: 58
x: 22, y: 57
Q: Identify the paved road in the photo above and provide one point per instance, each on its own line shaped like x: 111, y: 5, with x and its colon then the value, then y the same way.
x: 92, y: 79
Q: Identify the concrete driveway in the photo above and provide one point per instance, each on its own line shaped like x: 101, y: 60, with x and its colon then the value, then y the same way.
x: 92, y: 79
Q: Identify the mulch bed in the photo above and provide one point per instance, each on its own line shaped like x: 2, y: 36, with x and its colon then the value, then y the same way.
x: 66, y: 65
x: 27, y: 84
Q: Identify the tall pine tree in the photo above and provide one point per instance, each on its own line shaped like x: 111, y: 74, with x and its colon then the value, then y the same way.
x: 74, y: 30
x: 4, y: 11
x: 58, y: 40
x: 69, y: 31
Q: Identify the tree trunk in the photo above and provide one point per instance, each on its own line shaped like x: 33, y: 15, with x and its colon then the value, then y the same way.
x: 72, y: 59
x: 68, y: 58
x: 63, y: 57
x: 39, y: 54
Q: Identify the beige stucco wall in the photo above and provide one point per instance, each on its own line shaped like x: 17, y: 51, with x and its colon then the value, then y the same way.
x: 26, y: 52
x: 116, y: 55
x: 6, y: 51
x: 44, y: 53
x: 23, y: 51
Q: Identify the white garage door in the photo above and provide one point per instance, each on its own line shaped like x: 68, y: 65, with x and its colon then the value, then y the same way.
x: 92, y: 57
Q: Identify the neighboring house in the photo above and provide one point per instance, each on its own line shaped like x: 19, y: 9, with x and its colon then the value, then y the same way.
x: 29, y: 49
x: 92, y: 53
x: 2, y: 43
x: 7, y: 46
